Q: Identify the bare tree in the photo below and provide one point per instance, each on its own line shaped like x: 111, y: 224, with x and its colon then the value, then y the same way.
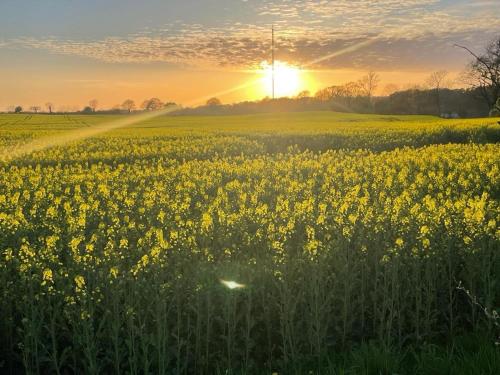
x: 303, y: 94
x: 35, y: 108
x: 152, y: 104
x: 93, y: 104
x: 352, y: 90
x: 325, y: 94
x: 369, y: 83
x: 435, y: 82
x: 212, y: 102
x: 349, y: 90
x: 49, y: 106
x: 483, y: 72
x: 128, y: 105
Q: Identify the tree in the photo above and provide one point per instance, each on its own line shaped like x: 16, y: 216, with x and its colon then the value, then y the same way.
x: 152, y: 104
x: 333, y: 92
x: 303, y: 94
x: 343, y: 95
x: 18, y: 109
x: 390, y: 89
x: 369, y: 84
x: 483, y: 72
x: 87, y: 110
x: 435, y: 82
x: 352, y: 90
x: 128, y: 105
x: 35, y: 108
x: 495, y: 112
x: 325, y: 94
x: 212, y: 102
x: 93, y: 104
x: 49, y: 106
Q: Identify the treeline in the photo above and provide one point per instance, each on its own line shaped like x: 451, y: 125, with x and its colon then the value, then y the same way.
x: 451, y: 103
x: 461, y: 102
x: 346, y: 98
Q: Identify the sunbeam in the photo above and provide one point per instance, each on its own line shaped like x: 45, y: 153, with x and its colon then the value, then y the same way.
x: 43, y: 143
x: 343, y: 51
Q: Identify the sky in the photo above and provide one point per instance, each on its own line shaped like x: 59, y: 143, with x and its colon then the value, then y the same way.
x: 71, y: 51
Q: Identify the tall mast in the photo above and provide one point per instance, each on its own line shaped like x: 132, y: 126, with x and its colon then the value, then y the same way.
x: 272, y: 53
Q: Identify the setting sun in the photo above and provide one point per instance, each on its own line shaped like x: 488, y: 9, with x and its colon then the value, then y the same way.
x: 288, y: 79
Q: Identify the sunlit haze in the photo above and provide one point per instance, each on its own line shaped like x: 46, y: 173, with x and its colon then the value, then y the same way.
x: 288, y: 80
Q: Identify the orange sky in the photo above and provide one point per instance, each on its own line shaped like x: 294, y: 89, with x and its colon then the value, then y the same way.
x: 70, y: 88
x: 112, y: 50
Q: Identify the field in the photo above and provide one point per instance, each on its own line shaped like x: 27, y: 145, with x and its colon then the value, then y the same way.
x: 289, y: 243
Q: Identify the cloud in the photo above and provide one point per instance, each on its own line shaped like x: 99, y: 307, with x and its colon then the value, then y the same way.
x: 340, y: 8
x: 409, y: 33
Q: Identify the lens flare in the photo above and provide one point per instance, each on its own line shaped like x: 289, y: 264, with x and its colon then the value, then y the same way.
x: 232, y: 284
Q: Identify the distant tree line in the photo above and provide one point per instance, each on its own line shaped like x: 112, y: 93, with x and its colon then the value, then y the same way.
x: 414, y: 101
x: 351, y: 97
x: 129, y: 106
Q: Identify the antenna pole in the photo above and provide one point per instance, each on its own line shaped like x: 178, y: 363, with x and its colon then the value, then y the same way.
x: 272, y: 53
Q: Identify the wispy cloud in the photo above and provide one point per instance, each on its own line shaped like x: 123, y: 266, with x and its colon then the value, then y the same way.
x: 357, y: 9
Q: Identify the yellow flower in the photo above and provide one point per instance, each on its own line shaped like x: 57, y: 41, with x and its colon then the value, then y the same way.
x: 206, y: 221
x: 8, y: 255
x: 47, y: 276
x: 51, y: 212
x: 52, y: 241
x: 492, y: 224
x: 155, y: 251
x: 113, y: 272
x: 80, y: 282
x: 399, y: 242
x: 123, y: 243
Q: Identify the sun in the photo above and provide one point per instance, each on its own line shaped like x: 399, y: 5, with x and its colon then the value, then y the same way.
x: 287, y: 79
